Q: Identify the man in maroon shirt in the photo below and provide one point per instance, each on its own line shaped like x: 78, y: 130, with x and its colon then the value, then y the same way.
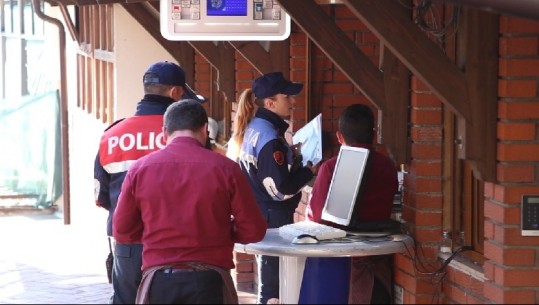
x: 370, y: 276
x: 188, y: 206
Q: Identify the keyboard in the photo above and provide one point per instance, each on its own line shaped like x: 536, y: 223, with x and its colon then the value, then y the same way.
x: 318, y: 230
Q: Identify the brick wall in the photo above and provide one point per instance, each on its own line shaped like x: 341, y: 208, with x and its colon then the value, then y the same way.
x: 510, y: 273
x: 512, y: 270
x: 422, y: 208
x: 245, y: 273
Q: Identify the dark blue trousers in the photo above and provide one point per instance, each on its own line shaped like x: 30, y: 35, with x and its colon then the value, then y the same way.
x: 187, y: 287
x: 126, y: 272
x: 268, y: 266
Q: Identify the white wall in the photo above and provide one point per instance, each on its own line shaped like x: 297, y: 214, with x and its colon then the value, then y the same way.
x: 84, y: 134
x: 135, y: 51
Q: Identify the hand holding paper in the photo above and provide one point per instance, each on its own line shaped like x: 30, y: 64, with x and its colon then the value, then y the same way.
x: 309, y: 141
x: 296, y: 149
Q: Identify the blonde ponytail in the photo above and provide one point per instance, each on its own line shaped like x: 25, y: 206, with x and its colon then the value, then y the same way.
x: 244, y: 114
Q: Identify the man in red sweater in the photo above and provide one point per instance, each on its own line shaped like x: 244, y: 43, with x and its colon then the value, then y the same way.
x: 188, y: 205
x: 370, y: 278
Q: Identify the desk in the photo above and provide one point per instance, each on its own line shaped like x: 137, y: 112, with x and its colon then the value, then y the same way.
x: 292, y: 257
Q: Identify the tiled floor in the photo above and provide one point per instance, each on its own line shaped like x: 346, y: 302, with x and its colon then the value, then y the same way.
x: 43, y: 261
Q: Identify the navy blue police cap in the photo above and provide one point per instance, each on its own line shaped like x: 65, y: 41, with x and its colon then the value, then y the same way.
x: 273, y: 83
x: 168, y: 73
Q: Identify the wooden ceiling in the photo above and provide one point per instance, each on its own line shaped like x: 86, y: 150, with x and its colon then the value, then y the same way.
x: 404, y: 48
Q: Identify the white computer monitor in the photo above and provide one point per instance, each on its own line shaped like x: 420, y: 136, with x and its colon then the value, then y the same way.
x: 345, y: 185
x: 223, y: 20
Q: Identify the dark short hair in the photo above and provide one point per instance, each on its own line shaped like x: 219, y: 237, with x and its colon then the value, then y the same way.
x: 185, y: 114
x: 356, y: 124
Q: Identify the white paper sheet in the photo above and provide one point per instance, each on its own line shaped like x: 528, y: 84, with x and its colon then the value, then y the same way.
x: 310, y: 137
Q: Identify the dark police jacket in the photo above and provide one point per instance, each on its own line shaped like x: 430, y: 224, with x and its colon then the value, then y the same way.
x: 266, y: 158
x: 124, y: 142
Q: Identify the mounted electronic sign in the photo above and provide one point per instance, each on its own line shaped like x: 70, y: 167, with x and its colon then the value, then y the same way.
x: 218, y: 20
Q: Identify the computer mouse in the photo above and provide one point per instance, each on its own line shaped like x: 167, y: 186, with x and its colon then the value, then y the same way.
x: 398, y: 237
x: 305, y: 239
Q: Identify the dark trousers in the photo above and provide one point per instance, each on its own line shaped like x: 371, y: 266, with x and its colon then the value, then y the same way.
x: 371, y: 280
x: 187, y: 287
x: 268, y: 266
x: 380, y: 294
x: 126, y: 272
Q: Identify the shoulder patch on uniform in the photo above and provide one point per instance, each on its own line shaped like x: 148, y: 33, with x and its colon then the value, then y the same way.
x: 279, y: 157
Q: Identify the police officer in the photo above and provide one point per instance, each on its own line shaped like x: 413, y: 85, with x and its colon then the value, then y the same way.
x: 274, y: 170
x: 124, y: 142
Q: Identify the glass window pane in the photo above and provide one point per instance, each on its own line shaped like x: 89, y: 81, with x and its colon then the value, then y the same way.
x: 29, y: 19
x: 41, y: 77
x: 8, y: 20
x: 13, y: 68
x: 16, y: 19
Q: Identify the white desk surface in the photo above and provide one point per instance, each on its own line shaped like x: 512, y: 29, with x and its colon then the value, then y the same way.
x: 275, y: 245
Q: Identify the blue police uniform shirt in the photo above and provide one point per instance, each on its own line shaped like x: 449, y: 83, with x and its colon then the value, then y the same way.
x: 266, y: 158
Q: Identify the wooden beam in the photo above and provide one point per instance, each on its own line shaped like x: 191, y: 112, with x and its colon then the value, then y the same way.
x: 394, y: 133
x: 323, y: 31
x: 279, y: 52
x: 227, y: 71
x: 155, y: 5
x: 412, y: 47
x: 220, y: 55
x: 207, y: 49
x: 69, y: 22
x: 523, y: 8
x: 255, y: 54
x: 276, y: 59
x: 182, y: 52
x: 481, y: 66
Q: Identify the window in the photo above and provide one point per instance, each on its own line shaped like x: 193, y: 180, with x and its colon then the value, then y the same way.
x: 28, y: 93
x: 22, y: 46
x: 96, y: 61
x: 463, y: 194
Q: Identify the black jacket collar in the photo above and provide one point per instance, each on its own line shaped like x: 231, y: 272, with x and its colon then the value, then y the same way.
x: 152, y: 104
x: 274, y: 119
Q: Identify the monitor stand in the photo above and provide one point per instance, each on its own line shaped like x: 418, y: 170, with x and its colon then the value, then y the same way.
x: 368, y: 234
x: 371, y: 228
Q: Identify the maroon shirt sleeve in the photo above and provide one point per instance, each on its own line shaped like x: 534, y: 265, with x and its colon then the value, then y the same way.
x: 126, y: 221
x: 320, y: 191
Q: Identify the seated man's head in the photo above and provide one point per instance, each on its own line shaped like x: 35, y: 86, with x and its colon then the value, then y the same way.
x: 356, y: 125
x: 186, y: 118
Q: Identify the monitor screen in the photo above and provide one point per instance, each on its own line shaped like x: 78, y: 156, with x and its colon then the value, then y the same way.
x: 345, y: 185
x: 227, y: 7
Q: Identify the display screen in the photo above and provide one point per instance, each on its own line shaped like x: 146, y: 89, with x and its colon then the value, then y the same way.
x: 227, y: 7
x: 345, y: 185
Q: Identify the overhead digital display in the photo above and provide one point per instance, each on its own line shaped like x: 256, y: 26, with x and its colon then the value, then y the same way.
x: 222, y: 20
